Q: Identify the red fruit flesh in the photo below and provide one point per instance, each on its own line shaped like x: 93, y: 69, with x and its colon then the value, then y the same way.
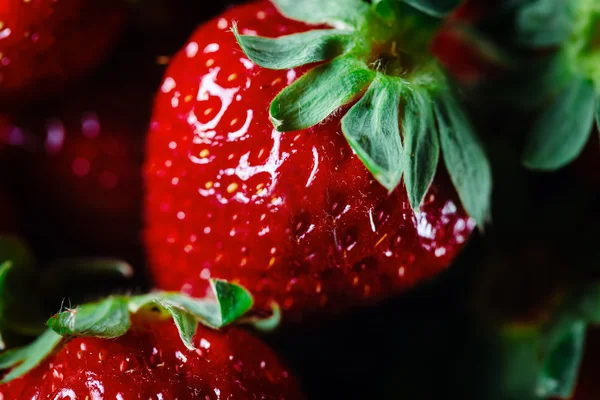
x: 295, y: 217
x: 45, y: 44
x: 151, y: 362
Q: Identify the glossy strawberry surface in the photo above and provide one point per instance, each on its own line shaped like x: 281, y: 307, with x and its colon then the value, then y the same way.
x: 45, y: 44
x: 295, y: 217
x: 151, y: 362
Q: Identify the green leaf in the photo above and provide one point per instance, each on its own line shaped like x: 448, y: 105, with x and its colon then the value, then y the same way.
x: 186, y: 323
x: 544, y: 23
x: 559, y: 374
x: 267, y: 324
x: 562, y: 131
x: 230, y: 303
x: 317, y: 12
x: 86, y: 269
x: 586, y: 304
x: 295, y: 50
x: 318, y: 93
x: 20, y: 303
x: 372, y: 130
x: 233, y: 300
x: 26, y: 358
x: 598, y: 112
x: 422, y: 146
x: 465, y: 159
x: 435, y: 8
x: 520, y: 349
x: 108, y: 318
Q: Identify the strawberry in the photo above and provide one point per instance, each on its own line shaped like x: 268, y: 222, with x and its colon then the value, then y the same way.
x: 45, y: 44
x: 85, y: 161
x: 303, y: 204
x: 148, y: 357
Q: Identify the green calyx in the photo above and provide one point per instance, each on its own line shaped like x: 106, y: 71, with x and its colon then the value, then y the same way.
x: 111, y: 318
x: 583, y: 46
x: 563, y: 129
x: 542, y: 360
x: 403, y: 117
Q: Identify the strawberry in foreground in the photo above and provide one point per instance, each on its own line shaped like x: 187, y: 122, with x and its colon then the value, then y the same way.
x: 305, y: 204
x: 45, y: 44
x: 148, y: 357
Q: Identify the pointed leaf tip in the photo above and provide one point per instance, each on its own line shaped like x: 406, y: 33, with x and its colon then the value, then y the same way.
x: 25, y: 359
x: 371, y: 127
x: 563, y: 130
x: 318, y: 93
x: 292, y: 51
x: 465, y: 159
x: 234, y: 300
x: 107, y: 318
x: 422, y: 146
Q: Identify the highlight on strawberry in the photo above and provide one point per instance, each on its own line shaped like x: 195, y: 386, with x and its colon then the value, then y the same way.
x: 297, y: 147
x: 155, y: 345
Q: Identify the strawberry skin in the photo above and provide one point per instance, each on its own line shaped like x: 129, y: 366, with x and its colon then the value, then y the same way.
x: 151, y: 362
x: 294, y: 217
x: 45, y: 44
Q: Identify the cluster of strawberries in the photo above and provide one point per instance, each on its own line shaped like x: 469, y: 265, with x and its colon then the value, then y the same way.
x: 296, y: 161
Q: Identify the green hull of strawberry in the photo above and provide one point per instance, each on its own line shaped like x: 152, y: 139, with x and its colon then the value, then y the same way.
x: 151, y: 362
x: 295, y: 217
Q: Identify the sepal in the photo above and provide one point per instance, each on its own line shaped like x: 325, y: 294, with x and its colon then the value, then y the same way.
x: 318, y: 12
x: 563, y: 129
x: 111, y: 318
x: 542, y: 359
x: 318, y: 93
x: 372, y: 130
x: 291, y: 51
x: 465, y: 159
x: 544, y: 23
x: 422, y: 146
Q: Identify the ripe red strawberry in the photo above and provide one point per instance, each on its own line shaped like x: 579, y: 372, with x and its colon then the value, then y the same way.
x: 85, y: 162
x: 292, y: 213
x: 146, y: 358
x: 151, y: 362
x: 45, y: 44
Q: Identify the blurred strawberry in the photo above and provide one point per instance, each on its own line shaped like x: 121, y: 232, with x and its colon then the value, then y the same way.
x: 85, y: 164
x: 45, y: 44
